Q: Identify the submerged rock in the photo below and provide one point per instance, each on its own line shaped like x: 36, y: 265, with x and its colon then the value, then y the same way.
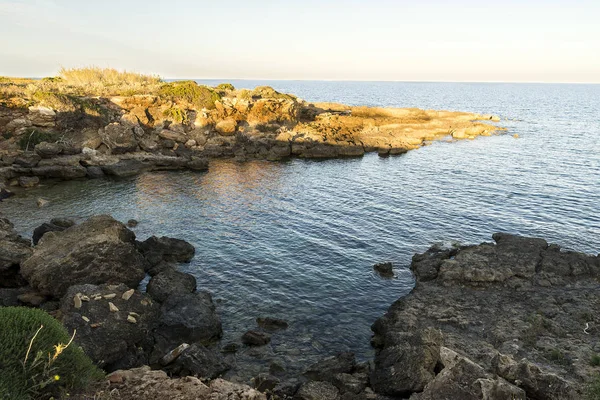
x: 256, y: 338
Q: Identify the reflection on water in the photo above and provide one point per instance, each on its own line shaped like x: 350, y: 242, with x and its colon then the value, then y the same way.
x: 297, y: 240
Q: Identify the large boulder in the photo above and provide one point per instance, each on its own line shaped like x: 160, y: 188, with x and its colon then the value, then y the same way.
x: 112, y: 323
x: 100, y: 250
x: 118, y: 138
x: 170, y: 281
x: 186, y: 318
x: 13, y: 250
x: 157, y: 249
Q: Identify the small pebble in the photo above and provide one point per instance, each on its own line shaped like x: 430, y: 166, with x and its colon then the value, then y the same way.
x: 131, y: 318
x: 110, y: 296
x: 77, y: 301
x: 112, y: 307
x: 84, y: 298
x: 86, y: 319
x: 127, y: 295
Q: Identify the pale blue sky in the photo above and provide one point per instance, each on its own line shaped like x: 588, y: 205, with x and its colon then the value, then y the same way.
x: 534, y: 41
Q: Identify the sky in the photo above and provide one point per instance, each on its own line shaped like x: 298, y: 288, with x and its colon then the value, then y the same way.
x: 380, y: 40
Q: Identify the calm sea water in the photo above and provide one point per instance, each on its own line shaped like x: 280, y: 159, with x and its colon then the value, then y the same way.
x: 297, y: 239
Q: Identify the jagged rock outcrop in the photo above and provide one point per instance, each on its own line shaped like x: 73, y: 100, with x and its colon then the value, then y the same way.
x: 99, y: 250
x: 516, y: 317
x: 140, y: 133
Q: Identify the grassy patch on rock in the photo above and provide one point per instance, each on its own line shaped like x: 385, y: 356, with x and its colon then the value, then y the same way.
x: 38, y: 356
x: 189, y: 92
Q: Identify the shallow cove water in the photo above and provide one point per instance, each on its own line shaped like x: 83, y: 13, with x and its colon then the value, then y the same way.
x: 297, y: 239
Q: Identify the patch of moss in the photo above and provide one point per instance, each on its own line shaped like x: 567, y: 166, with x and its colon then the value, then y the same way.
x: 39, y: 372
x: 33, y: 137
x: 56, y: 101
x: 176, y: 115
x: 190, y: 92
x: 595, y: 360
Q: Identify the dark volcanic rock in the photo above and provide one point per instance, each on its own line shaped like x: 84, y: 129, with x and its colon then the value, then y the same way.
x: 13, y: 250
x: 199, y: 361
x: 100, y: 250
x: 114, y: 336
x: 255, y: 338
x: 170, y: 281
x: 384, y: 269
x: 157, y: 249
x: 186, y: 318
x: 516, y: 313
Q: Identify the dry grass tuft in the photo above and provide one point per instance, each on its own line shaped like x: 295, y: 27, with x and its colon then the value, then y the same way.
x: 105, y: 76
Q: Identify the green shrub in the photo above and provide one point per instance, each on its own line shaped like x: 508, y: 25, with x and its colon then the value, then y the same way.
x: 225, y: 86
x: 176, y: 115
x: 190, y: 92
x: 595, y: 360
x: 37, y: 356
x: 33, y: 137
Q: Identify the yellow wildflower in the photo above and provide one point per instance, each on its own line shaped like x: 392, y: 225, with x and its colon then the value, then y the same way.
x: 56, y: 377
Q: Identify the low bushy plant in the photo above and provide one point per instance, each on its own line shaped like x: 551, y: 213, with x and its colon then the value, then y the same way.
x: 176, y: 115
x: 190, y: 92
x: 225, y: 86
x: 38, y: 357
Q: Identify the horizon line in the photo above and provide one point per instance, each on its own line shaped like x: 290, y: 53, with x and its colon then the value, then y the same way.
x: 348, y: 80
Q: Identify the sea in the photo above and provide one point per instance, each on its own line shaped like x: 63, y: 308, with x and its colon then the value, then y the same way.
x: 298, y: 239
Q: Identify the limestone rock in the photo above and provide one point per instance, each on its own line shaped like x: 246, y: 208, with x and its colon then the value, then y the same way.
x: 119, y: 138
x: 226, y: 127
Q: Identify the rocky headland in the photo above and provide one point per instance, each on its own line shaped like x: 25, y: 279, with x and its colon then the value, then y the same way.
x: 514, y: 319
x: 62, y: 128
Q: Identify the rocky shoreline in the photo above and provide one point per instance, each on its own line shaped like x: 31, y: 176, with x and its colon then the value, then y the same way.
x: 47, y: 132
x: 512, y: 319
